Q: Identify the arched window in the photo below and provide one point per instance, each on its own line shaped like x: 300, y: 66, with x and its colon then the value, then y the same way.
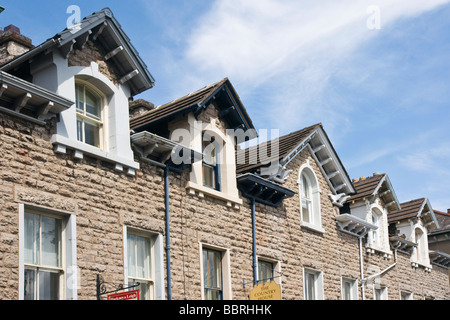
x: 306, y: 199
x: 376, y: 236
x: 89, y: 105
x: 310, y: 199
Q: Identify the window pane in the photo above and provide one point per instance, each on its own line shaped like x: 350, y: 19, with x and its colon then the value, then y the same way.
x: 31, y: 238
x: 212, y: 294
x: 92, y: 133
x: 310, y: 292
x: 306, y: 210
x: 208, y: 176
x: 347, y: 288
x: 79, y: 97
x: 212, y: 274
x: 131, y: 255
x: 209, y: 151
x: 218, y: 269
x: 143, y: 257
x: 93, y: 104
x: 30, y: 284
x: 145, y: 289
x: 265, y: 271
x: 205, y: 268
x: 48, y: 285
x: 51, y: 239
x: 79, y: 129
x: 211, y: 270
x: 305, y: 187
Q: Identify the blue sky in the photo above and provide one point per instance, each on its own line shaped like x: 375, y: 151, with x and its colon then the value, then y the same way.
x: 382, y: 94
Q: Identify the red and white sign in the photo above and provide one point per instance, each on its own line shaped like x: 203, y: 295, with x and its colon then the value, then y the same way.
x: 128, y: 295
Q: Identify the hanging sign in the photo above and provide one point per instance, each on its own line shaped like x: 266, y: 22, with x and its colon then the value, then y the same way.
x: 266, y: 291
x: 127, y: 295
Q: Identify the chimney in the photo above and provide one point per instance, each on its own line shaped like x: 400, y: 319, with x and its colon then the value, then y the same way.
x: 139, y: 106
x: 13, y: 44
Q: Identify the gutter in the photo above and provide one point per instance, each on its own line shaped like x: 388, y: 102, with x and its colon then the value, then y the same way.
x: 42, y: 47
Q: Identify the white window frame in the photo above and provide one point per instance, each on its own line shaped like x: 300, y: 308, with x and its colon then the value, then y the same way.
x: 103, y: 116
x: 226, y: 272
x: 69, y: 270
x: 315, y: 216
x: 353, y: 288
x: 407, y: 294
x: 157, y: 259
x: 318, y: 284
x: 381, y: 291
x: 276, y: 268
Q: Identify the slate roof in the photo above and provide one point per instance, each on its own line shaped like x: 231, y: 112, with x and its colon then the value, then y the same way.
x: 194, y: 101
x: 365, y: 186
x: 175, y: 106
x: 286, y: 144
x: 408, y: 210
x: 443, y: 219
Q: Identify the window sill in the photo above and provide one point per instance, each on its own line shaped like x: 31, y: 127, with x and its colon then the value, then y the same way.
x: 312, y: 227
x: 387, y: 254
x: 61, y: 144
x: 201, y: 190
x: 423, y: 265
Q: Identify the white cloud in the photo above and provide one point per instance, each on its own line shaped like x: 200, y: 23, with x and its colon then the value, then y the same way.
x: 429, y: 160
x: 290, y: 49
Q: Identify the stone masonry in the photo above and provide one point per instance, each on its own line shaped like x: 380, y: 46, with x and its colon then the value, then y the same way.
x: 104, y: 200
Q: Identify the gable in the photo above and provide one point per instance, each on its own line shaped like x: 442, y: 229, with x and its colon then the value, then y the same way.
x: 378, y: 185
x: 418, y: 208
x: 102, y: 28
x: 222, y: 94
x: 288, y: 147
x: 92, y: 52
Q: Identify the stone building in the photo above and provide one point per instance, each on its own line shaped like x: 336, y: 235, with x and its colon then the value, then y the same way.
x: 99, y: 191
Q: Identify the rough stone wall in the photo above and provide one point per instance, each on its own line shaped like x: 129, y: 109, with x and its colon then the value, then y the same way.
x: 93, y: 52
x: 103, y: 200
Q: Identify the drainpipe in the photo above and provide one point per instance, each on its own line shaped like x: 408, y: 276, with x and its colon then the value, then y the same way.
x: 361, y: 268
x: 255, y: 277
x: 364, y: 281
x: 166, y: 200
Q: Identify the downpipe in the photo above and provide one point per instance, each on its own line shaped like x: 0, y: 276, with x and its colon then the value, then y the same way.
x: 166, y: 202
x: 254, y: 265
x: 364, y: 281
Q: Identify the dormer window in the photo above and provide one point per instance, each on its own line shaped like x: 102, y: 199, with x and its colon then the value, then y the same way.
x: 375, y: 233
x: 211, y: 165
x: 421, y: 251
x: 89, y: 105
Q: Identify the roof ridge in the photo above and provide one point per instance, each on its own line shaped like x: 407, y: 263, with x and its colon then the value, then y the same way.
x: 442, y: 212
x: 284, y: 136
